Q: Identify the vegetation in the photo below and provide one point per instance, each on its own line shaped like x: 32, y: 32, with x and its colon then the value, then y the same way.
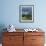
x: 27, y: 16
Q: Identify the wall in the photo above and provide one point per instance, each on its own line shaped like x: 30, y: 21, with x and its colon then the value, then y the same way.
x: 9, y: 13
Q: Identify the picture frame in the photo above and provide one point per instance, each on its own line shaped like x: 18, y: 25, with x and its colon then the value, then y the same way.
x: 26, y: 13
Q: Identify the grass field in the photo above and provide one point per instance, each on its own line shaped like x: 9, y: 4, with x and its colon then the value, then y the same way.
x: 27, y: 17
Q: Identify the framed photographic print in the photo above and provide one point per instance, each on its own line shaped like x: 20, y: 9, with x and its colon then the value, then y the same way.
x: 26, y: 13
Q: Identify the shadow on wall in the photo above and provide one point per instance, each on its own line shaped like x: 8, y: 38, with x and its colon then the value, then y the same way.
x: 2, y: 26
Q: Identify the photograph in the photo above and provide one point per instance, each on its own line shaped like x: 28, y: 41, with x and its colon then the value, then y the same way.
x: 26, y: 13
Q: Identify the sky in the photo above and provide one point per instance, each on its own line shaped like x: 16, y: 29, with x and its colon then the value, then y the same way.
x: 26, y: 10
